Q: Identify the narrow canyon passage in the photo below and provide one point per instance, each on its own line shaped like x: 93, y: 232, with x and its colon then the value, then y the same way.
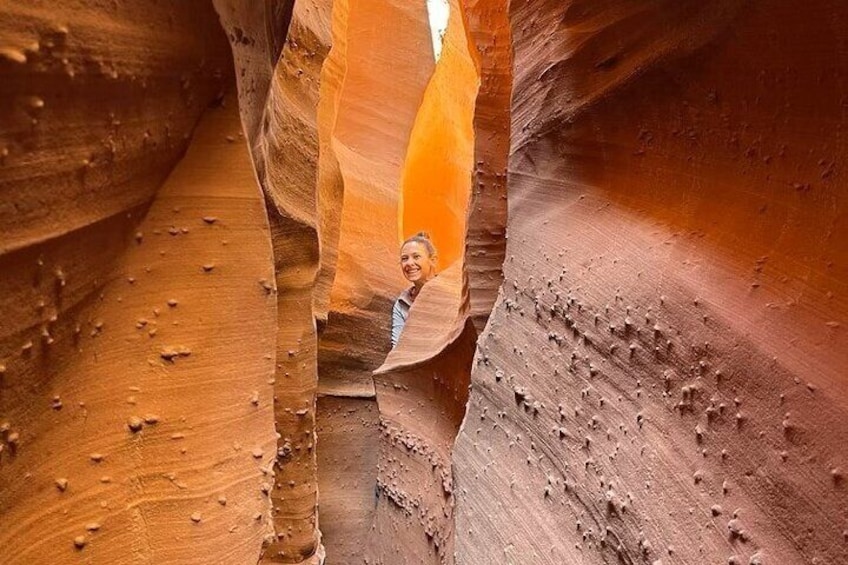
x: 380, y: 168
x: 634, y: 351
x: 406, y: 165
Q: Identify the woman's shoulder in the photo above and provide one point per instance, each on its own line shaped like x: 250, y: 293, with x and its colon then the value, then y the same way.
x: 404, y: 298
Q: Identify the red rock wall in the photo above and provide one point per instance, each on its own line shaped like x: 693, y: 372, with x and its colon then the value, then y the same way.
x: 662, y: 377
x: 100, y: 114
x: 348, y: 446
x: 490, y: 47
x: 139, y: 419
x: 422, y: 390
x: 284, y: 120
x: 135, y: 411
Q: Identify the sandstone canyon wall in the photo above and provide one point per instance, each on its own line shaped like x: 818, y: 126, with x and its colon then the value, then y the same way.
x: 662, y: 378
x: 635, y: 351
x: 136, y: 343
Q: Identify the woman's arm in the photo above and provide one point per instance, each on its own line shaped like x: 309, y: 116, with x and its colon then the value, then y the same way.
x: 397, y: 323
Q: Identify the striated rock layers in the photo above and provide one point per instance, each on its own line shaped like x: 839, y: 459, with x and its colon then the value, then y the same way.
x: 662, y: 379
x: 635, y: 351
x: 138, y: 317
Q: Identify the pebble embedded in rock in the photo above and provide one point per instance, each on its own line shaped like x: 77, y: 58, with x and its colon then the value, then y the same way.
x: 135, y: 424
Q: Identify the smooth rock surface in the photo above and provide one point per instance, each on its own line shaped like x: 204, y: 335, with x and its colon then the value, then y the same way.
x: 670, y: 334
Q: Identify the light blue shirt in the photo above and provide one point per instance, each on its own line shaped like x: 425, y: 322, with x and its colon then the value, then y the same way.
x: 400, y: 311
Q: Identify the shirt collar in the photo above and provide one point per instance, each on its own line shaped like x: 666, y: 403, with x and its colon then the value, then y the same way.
x: 406, y: 297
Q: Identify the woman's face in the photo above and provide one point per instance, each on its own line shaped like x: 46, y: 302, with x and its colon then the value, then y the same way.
x: 417, y: 265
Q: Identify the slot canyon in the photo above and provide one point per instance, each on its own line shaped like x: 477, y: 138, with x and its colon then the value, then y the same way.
x: 635, y: 350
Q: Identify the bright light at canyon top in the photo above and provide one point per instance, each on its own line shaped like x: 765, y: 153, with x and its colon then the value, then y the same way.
x: 439, y: 12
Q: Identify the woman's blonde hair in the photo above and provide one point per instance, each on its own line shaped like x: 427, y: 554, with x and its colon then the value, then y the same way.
x: 423, y: 238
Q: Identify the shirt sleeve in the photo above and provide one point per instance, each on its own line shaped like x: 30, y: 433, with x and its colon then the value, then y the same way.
x: 397, y: 323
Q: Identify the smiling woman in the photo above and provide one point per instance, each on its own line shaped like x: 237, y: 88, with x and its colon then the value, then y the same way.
x: 418, y: 260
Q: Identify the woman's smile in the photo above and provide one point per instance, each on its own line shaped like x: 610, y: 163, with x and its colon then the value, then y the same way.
x: 417, y: 263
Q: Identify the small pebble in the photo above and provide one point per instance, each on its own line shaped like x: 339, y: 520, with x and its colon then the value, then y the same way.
x: 135, y: 424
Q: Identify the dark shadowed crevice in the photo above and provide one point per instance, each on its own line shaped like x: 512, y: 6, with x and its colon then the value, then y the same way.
x: 277, y: 21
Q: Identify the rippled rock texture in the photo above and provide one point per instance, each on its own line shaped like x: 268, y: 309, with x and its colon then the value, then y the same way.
x: 137, y: 287
x: 662, y: 378
x: 635, y: 351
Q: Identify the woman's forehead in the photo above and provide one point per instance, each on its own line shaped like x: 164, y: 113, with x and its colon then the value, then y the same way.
x: 412, y: 247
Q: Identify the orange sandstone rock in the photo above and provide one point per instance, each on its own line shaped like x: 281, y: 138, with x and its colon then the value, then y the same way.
x: 675, y: 252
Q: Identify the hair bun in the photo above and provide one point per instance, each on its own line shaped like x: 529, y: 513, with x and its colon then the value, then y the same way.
x: 422, y: 238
